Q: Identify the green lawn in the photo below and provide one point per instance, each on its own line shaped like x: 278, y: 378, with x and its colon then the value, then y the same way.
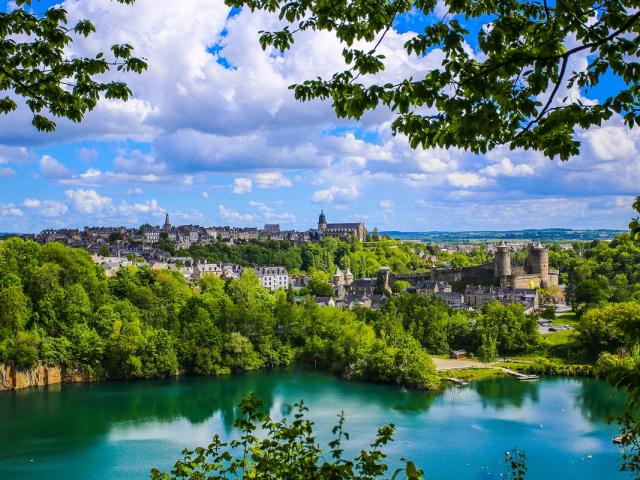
x: 558, y: 338
x: 568, y: 318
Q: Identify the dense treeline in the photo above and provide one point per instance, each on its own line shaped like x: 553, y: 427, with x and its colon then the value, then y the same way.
x: 363, y: 258
x: 56, y: 306
x: 599, y: 272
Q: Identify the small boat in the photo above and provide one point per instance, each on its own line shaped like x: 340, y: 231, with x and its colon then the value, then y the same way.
x: 528, y: 378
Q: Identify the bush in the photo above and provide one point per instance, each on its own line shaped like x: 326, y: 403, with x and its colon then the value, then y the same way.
x: 288, y: 451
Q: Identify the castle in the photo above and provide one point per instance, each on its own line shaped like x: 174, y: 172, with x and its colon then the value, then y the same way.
x: 342, y: 231
x: 533, y: 274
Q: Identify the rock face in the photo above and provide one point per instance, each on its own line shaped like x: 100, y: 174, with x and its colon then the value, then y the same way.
x: 38, y: 376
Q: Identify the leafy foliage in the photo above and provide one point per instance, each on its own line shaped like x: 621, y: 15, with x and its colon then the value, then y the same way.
x: 35, y: 66
x: 58, y: 307
x: 287, y: 451
x: 504, y: 92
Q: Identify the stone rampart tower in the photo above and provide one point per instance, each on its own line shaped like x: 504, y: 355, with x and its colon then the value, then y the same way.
x: 539, y: 261
x: 502, y: 263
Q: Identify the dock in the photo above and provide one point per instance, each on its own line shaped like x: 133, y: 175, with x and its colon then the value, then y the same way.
x: 458, y: 381
x: 520, y: 376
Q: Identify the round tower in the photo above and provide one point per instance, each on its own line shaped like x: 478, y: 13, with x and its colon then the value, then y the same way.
x: 322, y: 221
x: 502, y: 262
x: 539, y: 261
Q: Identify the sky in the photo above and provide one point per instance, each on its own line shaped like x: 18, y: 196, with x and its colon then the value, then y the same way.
x: 213, y: 136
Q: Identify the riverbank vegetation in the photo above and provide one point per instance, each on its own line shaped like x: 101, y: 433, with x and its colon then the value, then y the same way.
x: 57, y: 307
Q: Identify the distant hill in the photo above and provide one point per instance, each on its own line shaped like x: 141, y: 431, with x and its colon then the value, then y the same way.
x: 542, y: 235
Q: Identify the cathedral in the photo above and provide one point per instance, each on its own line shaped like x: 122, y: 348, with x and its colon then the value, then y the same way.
x: 342, y: 231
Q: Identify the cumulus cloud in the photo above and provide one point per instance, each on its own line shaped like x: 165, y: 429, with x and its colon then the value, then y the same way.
x: 467, y: 180
x: 233, y: 215
x: 149, y: 207
x: 611, y: 143
x: 139, y: 163
x: 7, y: 172
x: 8, y: 210
x: 46, y: 208
x: 336, y: 194
x: 192, y: 114
x: 52, y: 168
x: 89, y: 202
x: 88, y: 154
x: 242, y: 185
x: 272, y: 180
x: 386, y: 205
x: 269, y: 214
x: 505, y: 167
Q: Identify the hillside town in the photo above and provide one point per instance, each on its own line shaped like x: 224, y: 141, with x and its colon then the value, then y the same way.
x: 468, y: 288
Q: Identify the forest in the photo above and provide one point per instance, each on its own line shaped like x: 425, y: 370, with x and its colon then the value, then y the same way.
x: 58, y: 307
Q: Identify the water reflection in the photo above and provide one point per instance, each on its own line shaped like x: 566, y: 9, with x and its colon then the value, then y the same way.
x: 501, y: 393
x: 599, y: 404
x: 125, y: 428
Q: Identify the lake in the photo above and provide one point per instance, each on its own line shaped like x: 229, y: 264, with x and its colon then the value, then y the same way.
x: 121, y: 430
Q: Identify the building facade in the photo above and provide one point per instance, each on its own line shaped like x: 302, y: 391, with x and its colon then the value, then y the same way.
x: 342, y: 231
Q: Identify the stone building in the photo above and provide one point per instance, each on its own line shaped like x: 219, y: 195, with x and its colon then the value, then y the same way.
x: 341, y: 279
x: 342, y: 231
x: 273, y: 278
x: 534, y: 273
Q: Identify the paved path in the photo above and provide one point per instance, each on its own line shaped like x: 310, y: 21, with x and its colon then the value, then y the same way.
x: 443, y: 364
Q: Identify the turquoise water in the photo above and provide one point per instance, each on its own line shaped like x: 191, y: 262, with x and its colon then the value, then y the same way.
x: 121, y: 430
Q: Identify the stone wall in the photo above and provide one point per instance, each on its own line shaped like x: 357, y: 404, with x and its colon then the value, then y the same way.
x: 38, y: 376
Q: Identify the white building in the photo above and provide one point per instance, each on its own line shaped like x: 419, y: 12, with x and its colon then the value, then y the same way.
x: 273, y: 278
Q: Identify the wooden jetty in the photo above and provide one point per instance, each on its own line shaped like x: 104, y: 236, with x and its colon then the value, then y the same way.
x: 520, y: 376
x: 458, y: 381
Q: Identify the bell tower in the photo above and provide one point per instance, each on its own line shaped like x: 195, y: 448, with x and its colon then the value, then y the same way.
x: 322, y: 221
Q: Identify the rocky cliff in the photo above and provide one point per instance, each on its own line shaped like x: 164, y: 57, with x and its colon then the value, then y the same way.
x: 12, y: 378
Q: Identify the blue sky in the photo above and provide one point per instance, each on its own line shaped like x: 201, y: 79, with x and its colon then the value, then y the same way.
x: 214, y: 136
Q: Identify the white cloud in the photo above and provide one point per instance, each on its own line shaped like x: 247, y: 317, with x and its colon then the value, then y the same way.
x: 506, y: 168
x: 88, y: 154
x: 52, y: 168
x: 336, y: 194
x: 386, y: 205
x: 139, y: 163
x: 149, y: 207
x: 272, y: 180
x: 89, y: 202
x: 233, y: 215
x: 270, y: 215
x: 46, y: 208
x: 8, y: 210
x: 611, y: 143
x: 466, y: 179
x: 6, y: 172
x: 134, y: 191
x: 242, y: 185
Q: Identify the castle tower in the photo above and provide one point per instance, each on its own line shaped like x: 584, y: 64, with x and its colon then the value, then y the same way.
x: 348, y: 277
x: 539, y: 261
x: 338, y: 277
x: 167, y: 224
x: 322, y: 221
x: 502, y: 263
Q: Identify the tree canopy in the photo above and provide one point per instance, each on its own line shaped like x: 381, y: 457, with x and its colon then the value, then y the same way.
x: 501, y: 91
x: 35, y: 67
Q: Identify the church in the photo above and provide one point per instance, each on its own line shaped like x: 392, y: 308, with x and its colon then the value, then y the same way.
x: 342, y: 231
